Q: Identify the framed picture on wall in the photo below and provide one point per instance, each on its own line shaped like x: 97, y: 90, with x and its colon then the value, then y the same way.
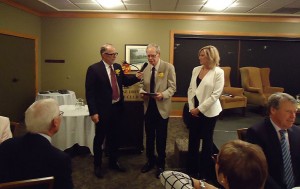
x: 136, y: 56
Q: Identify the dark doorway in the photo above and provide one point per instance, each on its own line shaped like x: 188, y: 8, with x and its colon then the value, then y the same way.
x: 17, y: 75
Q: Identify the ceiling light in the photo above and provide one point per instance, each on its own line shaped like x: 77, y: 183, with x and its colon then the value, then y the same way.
x: 218, y: 4
x: 110, y: 3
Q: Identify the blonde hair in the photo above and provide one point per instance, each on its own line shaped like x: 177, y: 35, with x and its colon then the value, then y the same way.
x: 213, y: 55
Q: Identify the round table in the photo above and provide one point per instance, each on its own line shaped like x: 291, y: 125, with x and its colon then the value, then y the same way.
x: 62, y: 99
x: 76, y: 127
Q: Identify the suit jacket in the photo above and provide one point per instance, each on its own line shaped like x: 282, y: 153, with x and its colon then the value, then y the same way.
x: 5, y: 132
x: 208, y: 92
x: 98, y: 88
x: 165, y: 82
x: 33, y: 156
x: 265, y: 135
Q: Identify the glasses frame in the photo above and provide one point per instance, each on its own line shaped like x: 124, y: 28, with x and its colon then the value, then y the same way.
x: 61, y: 113
x: 151, y: 55
x: 112, y: 54
x: 215, y: 157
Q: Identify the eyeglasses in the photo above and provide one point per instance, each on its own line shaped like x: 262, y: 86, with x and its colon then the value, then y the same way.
x: 151, y: 55
x: 215, y: 158
x: 112, y: 54
x: 61, y: 113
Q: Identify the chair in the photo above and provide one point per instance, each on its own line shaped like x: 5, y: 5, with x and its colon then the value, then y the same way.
x: 256, y: 84
x: 45, y: 182
x: 13, y: 127
x: 242, y: 134
x: 232, y: 97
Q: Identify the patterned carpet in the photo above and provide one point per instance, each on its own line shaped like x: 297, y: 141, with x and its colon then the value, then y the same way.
x: 84, y: 178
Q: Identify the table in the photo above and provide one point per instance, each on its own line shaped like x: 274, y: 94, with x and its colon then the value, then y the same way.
x: 62, y: 99
x: 76, y: 127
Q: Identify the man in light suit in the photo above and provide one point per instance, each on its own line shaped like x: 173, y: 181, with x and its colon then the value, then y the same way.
x: 157, y: 105
x: 105, y: 108
x: 5, y: 132
x: 33, y: 156
x: 282, y: 110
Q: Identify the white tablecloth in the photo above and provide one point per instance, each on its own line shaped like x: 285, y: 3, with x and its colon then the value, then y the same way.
x: 76, y: 127
x: 62, y: 99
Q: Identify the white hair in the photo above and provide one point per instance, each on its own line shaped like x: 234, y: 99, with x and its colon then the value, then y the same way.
x: 40, y: 114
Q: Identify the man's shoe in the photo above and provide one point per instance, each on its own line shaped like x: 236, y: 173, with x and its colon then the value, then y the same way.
x: 116, y: 166
x: 147, y: 167
x: 159, y: 170
x: 98, y: 172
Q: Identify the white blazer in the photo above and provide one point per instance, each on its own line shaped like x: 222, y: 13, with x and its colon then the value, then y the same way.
x: 208, y: 92
x: 5, y: 132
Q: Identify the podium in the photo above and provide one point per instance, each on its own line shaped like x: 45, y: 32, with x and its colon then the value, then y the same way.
x: 132, y: 120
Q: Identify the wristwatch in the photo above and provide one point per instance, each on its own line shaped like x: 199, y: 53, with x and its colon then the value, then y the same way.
x: 202, y: 184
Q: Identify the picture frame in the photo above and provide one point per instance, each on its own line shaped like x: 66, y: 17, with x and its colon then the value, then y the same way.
x: 135, y: 55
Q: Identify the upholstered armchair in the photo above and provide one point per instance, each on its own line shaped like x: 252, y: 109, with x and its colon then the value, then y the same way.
x: 256, y: 84
x: 232, y: 97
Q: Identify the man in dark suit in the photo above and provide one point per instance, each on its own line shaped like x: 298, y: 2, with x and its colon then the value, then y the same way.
x: 33, y: 156
x: 282, y: 109
x: 104, y: 95
x: 160, y: 82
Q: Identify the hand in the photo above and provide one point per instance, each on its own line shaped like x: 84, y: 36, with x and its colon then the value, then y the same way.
x: 159, y: 96
x: 144, y: 97
x: 195, y: 112
x: 95, y: 118
x: 139, y: 74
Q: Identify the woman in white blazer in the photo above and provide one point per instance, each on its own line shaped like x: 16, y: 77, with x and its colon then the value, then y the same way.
x: 205, y: 88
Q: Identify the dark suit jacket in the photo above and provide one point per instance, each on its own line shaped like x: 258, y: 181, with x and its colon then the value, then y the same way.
x: 264, y: 134
x: 98, y: 88
x: 33, y: 156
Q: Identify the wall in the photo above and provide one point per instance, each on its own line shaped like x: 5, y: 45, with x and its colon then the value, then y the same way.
x: 18, y: 22
x: 77, y: 40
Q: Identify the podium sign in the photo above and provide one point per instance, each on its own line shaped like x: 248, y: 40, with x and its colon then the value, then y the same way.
x: 132, y: 93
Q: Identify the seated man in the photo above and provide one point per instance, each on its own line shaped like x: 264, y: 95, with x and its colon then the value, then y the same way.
x: 276, y: 134
x: 239, y: 165
x: 5, y: 132
x: 33, y: 156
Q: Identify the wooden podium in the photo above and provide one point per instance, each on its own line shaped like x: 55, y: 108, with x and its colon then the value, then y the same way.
x: 133, y: 120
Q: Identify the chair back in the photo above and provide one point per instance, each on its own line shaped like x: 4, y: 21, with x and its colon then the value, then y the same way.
x: 251, y: 77
x: 242, y: 134
x: 38, y: 183
x: 227, y: 82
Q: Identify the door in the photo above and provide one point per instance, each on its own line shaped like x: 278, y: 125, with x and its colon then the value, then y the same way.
x: 17, y: 75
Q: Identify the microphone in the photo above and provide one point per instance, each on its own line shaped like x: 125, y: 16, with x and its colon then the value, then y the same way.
x: 141, y: 70
x: 144, y: 66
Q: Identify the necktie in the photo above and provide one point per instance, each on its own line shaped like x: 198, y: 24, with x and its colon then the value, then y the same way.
x: 115, y: 92
x: 287, y: 163
x: 152, y: 80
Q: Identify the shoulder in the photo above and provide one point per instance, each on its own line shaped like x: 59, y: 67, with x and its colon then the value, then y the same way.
x: 4, y: 120
x: 197, y: 68
x: 219, y: 70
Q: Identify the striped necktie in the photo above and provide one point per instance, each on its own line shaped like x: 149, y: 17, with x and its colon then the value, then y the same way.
x: 287, y: 163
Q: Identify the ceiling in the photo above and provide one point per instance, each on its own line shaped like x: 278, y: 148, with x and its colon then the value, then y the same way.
x: 257, y: 7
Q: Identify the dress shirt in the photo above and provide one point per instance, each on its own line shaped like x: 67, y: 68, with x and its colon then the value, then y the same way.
x: 107, y: 66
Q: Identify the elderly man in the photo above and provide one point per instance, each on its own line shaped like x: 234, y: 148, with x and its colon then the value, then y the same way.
x: 33, y: 156
x: 280, y: 141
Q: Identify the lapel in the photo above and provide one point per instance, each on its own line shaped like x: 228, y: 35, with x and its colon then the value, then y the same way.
x: 103, y: 73
x: 160, y: 75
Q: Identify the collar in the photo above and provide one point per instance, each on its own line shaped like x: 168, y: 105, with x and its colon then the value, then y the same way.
x: 46, y: 136
x: 157, y: 65
x: 107, y: 65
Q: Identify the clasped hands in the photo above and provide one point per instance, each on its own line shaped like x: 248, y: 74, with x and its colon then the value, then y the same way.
x: 195, y: 112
